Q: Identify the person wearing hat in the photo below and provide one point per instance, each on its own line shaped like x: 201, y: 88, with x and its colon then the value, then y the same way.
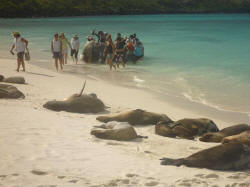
x: 65, y: 44
x: 75, y: 43
x: 20, y: 44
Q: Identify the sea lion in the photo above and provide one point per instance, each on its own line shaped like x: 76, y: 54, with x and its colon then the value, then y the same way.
x: 229, y: 131
x: 232, y: 156
x: 120, y: 131
x: 10, y: 92
x: 136, y: 117
x: 186, y: 128
x: 77, y: 104
x: 15, y: 80
x: 243, y: 137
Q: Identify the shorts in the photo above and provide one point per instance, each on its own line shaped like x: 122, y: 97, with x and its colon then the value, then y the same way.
x: 65, y: 51
x: 109, y: 56
x: 20, y: 55
x: 119, y: 57
x: 57, y: 55
x: 74, y: 52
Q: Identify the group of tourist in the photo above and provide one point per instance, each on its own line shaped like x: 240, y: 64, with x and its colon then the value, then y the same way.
x: 120, y: 51
x: 59, y: 49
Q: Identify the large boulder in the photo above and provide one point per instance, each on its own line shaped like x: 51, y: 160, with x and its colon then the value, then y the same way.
x: 136, y: 117
x: 186, y: 128
x: 15, y: 80
x: 229, y: 156
x: 10, y: 92
x: 77, y: 104
x: 228, y: 131
x: 120, y: 131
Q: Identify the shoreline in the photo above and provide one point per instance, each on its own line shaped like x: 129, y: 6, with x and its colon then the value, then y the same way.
x: 132, y: 14
x: 46, y: 148
x: 184, y: 104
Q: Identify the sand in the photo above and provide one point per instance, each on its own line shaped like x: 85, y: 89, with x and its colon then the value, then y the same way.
x: 43, y: 148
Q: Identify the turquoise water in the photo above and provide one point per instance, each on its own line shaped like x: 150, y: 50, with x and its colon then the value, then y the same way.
x: 202, y: 58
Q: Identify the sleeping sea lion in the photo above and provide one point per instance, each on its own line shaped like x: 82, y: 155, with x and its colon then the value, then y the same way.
x: 120, y: 131
x: 10, y: 92
x: 231, y: 156
x: 186, y: 128
x: 77, y: 104
x: 243, y: 137
x: 229, y: 131
x: 15, y: 80
x: 136, y: 117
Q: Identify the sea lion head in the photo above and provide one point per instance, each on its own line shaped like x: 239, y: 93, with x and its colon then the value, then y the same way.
x: 211, y: 137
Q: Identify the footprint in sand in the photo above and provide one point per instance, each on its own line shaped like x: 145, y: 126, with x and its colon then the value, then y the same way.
x: 212, y: 176
x: 209, y: 176
x: 194, y: 148
x: 239, y: 176
x: 37, y: 172
x: 60, y: 177
x: 114, y: 143
x: 152, y: 183
x: 131, y: 175
x: 73, y: 181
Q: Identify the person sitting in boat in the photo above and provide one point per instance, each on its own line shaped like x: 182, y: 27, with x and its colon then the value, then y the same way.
x: 138, y: 51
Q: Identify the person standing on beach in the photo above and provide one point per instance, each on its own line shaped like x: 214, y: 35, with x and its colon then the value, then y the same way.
x: 109, y: 50
x: 20, y: 44
x: 56, y: 49
x: 75, y: 43
x: 65, y: 44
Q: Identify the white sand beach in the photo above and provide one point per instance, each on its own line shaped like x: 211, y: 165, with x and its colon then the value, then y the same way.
x: 43, y: 148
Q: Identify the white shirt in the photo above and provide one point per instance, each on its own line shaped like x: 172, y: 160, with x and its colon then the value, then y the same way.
x: 75, y: 44
x: 56, y: 45
x: 19, y: 45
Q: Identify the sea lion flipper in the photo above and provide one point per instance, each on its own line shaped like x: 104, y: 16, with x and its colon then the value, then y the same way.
x: 170, y: 161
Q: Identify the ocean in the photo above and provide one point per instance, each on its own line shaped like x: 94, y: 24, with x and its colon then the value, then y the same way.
x: 199, y: 58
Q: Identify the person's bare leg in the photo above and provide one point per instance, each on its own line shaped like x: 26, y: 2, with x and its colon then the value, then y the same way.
x: 56, y: 64
x: 62, y: 59
x: 73, y: 58
x: 61, y: 64
x: 76, y: 59
x: 66, y: 58
x: 23, y: 64
x: 18, y: 65
x: 109, y: 62
x: 117, y: 64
